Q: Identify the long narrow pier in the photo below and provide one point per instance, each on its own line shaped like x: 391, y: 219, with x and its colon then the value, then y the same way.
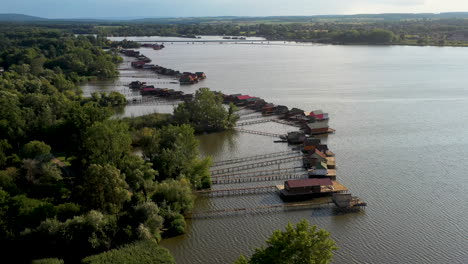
x: 266, y: 208
x: 203, y: 41
x: 255, y: 165
x: 255, y: 122
x: 259, y: 173
x: 273, y: 177
x: 284, y: 122
x: 256, y: 157
x: 250, y: 117
x: 238, y: 191
x: 258, y: 132
x: 247, y: 113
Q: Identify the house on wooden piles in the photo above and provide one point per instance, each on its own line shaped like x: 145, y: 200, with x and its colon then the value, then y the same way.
x: 188, y: 79
x: 295, y: 137
x: 138, y: 64
x: 346, y: 201
x: 317, y: 128
x: 130, y: 53
x: 268, y: 109
x: 295, y: 114
x: 309, y: 188
x: 310, y: 160
x: 257, y: 105
x: 242, y: 100
x: 149, y: 91
x: 136, y: 84
x: 201, y: 75
x: 281, y: 110
x: 319, y: 115
x: 230, y: 98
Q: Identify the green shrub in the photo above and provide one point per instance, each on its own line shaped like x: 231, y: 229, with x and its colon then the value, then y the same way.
x: 135, y: 253
x: 47, y: 261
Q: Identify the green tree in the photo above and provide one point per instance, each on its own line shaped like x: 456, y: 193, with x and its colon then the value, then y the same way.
x: 205, y: 112
x: 146, y: 215
x: 104, y: 188
x: 175, y: 195
x: 296, y: 245
x: 36, y: 150
x: 4, y: 152
x: 173, y: 150
x: 107, y: 142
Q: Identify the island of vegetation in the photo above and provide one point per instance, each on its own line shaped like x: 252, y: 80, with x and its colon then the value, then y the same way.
x: 70, y: 183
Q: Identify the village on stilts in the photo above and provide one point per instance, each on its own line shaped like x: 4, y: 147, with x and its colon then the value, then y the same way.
x: 317, y: 177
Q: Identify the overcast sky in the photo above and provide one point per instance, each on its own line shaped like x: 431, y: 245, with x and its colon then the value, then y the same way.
x: 184, y: 8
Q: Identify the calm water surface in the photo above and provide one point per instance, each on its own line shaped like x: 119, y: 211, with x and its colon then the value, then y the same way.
x: 401, y: 115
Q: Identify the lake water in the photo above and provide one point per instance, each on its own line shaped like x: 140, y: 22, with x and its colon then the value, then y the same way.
x: 401, y: 144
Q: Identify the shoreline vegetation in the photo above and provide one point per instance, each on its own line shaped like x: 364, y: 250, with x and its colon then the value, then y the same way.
x: 68, y: 177
x: 447, y: 29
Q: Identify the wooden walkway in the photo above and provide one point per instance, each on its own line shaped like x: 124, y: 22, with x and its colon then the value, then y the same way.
x: 247, y: 113
x: 272, y: 177
x: 238, y: 191
x: 255, y: 165
x: 254, y: 122
x: 260, y: 173
x: 265, y: 208
x: 261, y: 133
x: 285, y: 122
x: 251, y: 117
x: 257, y: 157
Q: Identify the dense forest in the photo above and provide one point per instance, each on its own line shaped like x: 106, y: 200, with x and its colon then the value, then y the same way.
x: 70, y: 183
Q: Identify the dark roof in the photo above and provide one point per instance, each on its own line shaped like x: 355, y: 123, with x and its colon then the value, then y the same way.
x: 296, y: 110
x: 309, y: 182
x: 318, y: 152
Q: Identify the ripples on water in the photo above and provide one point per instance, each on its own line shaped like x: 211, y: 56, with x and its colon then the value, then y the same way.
x: 401, y: 144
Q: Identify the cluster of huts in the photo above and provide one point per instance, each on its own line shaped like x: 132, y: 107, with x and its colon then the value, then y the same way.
x: 159, y: 92
x: 142, y: 59
x: 317, y: 159
x: 143, y: 62
x: 153, y: 46
x: 312, y: 123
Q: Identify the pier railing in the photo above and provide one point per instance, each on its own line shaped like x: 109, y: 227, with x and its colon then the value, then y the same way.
x: 255, y: 165
x: 256, y: 157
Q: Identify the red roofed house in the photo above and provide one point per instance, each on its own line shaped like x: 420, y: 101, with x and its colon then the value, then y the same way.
x: 306, y: 188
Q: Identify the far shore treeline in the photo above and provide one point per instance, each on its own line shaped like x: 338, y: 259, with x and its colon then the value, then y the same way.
x: 70, y: 183
x: 446, y: 29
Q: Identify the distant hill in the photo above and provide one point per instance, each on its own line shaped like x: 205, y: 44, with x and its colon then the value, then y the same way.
x: 20, y: 18
x: 244, y: 19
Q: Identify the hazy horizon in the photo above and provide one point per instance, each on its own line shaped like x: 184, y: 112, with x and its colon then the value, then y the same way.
x: 131, y: 9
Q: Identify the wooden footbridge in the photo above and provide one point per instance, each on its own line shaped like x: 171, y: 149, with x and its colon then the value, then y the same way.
x: 238, y: 191
x: 261, y: 173
x: 255, y: 165
x: 251, y: 117
x: 257, y: 157
x: 258, y: 132
x: 255, y: 122
x: 285, y: 122
x: 259, y: 209
x: 262, y: 178
x: 246, y: 113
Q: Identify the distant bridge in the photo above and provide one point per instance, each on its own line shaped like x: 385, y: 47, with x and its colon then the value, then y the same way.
x: 206, y: 40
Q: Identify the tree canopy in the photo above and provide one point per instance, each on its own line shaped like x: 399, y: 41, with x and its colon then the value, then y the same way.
x: 300, y: 244
x: 206, y: 112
